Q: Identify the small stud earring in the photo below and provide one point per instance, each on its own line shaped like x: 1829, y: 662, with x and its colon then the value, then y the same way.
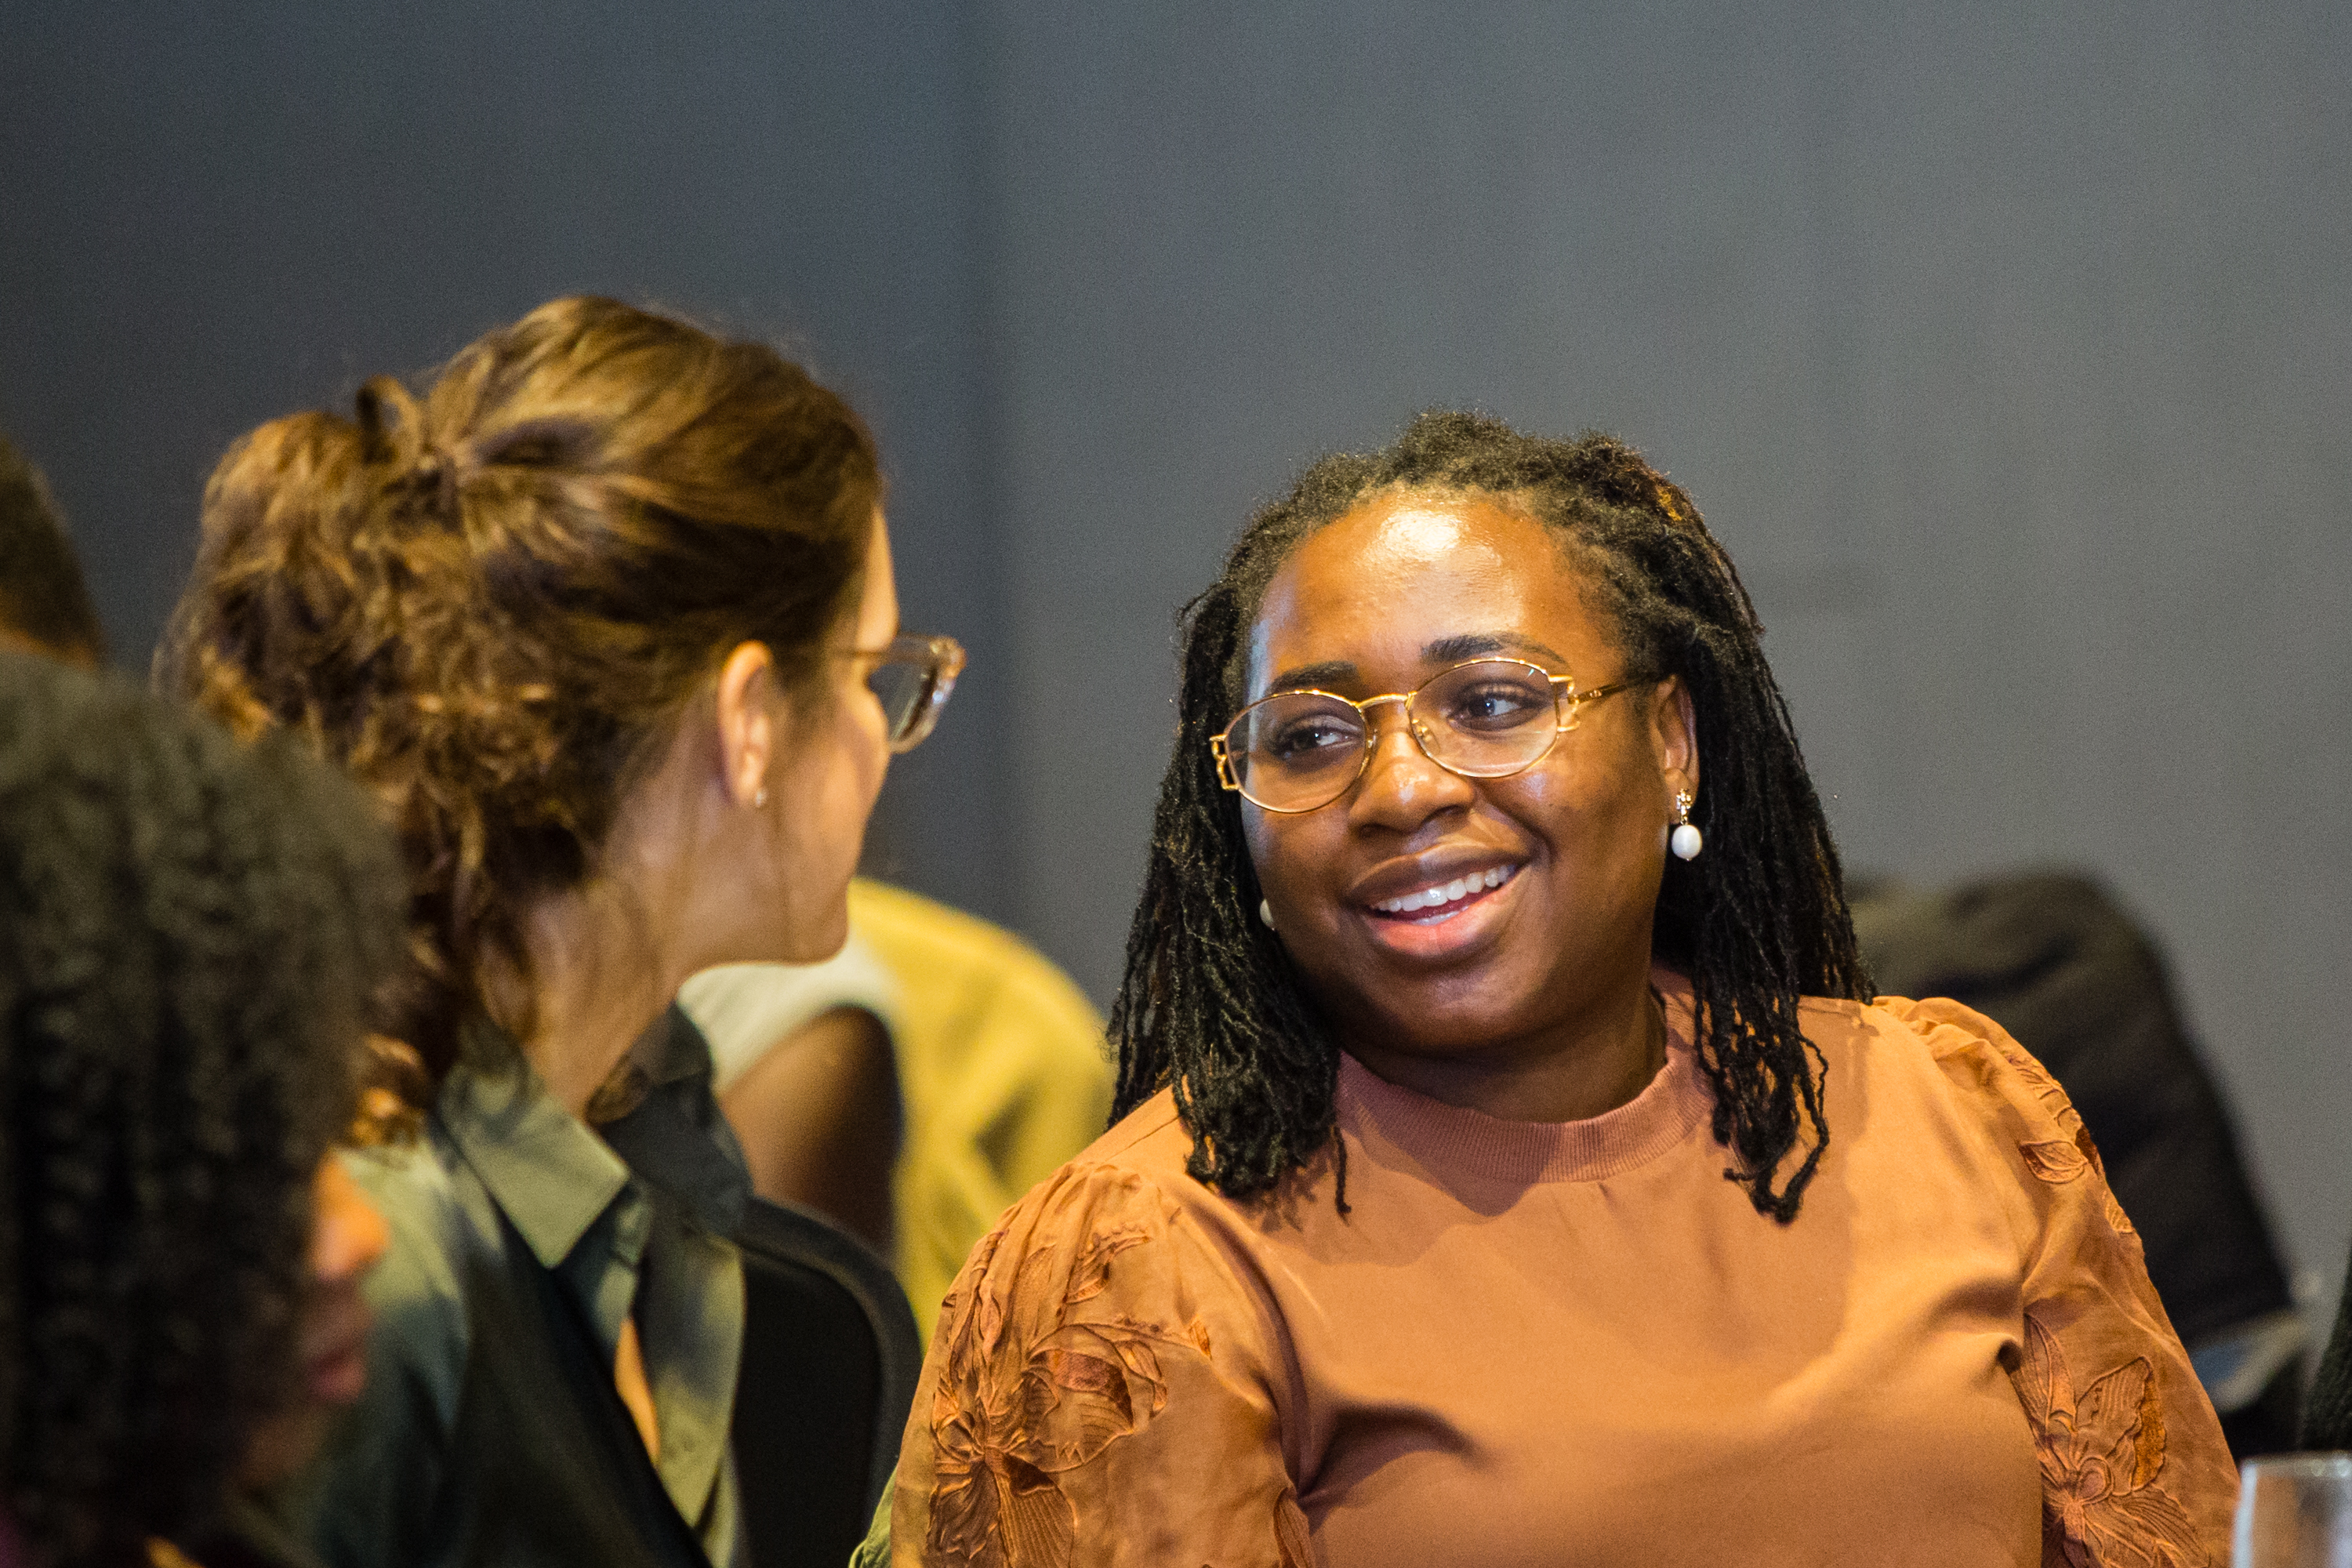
x: 1684, y: 840
x: 1266, y: 913
x: 760, y: 801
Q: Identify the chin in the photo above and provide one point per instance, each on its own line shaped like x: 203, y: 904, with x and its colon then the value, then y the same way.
x: 1450, y: 1017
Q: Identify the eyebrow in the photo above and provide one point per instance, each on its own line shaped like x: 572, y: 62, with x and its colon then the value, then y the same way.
x: 1322, y: 677
x: 1481, y: 644
x: 1444, y: 651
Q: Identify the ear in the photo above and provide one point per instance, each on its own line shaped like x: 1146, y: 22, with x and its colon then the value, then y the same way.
x: 1673, y: 735
x: 748, y: 698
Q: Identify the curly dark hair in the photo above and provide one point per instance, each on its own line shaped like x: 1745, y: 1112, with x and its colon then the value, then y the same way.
x: 489, y: 607
x: 43, y: 598
x: 188, y: 932
x: 1211, y: 1006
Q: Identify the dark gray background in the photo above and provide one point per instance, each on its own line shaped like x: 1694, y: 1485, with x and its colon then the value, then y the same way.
x: 2005, y: 345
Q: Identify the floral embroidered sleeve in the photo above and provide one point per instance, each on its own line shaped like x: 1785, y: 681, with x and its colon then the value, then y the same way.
x: 1095, y: 1394
x: 2135, y: 1472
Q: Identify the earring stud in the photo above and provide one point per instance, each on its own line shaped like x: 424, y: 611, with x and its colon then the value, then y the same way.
x: 1266, y: 913
x: 760, y: 801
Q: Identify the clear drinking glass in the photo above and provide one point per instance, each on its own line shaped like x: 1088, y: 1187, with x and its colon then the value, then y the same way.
x: 2294, y: 1510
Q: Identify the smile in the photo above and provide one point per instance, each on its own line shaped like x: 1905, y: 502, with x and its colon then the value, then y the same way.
x: 1444, y: 900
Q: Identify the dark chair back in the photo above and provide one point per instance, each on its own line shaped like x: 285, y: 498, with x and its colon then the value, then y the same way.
x: 830, y: 1362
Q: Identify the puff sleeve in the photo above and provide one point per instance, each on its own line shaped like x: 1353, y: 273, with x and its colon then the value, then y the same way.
x: 1096, y: 1393
x: 2134, y: 1470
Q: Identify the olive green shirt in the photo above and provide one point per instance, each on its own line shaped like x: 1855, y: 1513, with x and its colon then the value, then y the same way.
x: 490, y: 1431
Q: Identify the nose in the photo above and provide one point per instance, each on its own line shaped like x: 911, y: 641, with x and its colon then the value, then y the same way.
x: 1401, y: 788
x: 347, y: 1234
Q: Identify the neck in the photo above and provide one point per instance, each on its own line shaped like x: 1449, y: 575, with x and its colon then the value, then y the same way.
x: 1590, y: 1065
x: 599, y: 977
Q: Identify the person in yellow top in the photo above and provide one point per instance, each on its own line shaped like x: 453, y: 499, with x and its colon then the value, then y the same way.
x: 912, y: 1087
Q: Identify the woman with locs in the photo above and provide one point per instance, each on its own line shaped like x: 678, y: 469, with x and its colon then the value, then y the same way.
x: 606, y: 622
x: 1515, y: 1167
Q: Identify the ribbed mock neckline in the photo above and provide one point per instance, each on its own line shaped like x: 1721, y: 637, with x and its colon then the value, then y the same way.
x: 1449, y: 1140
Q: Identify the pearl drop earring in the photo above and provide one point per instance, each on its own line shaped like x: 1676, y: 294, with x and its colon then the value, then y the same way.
x: 1684, y: 840
x: 1266, y: 913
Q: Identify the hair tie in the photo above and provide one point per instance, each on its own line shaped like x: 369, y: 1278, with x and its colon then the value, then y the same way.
x: 434, y: 474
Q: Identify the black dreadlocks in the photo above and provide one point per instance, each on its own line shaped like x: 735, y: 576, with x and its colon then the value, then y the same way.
x: 188, y: 932
x: 1211, y: 1006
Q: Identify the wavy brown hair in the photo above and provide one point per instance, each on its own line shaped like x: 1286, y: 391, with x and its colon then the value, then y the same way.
x: 491, y: 604
x: 1211, y: 1006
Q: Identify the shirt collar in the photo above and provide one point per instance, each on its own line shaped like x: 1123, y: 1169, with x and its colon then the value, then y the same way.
x: 542, y: 1166
x: 677, y: 1138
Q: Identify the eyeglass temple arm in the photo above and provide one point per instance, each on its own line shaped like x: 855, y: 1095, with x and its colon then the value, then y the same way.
x: 1225, y: 778
x: 1577, y: 700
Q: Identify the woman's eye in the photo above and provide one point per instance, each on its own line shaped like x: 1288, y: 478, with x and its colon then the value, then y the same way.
x: 1494, y: 707
x: 1309, y: 740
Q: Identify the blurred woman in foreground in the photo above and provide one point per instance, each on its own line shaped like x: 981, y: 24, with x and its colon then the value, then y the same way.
x: 606, y: 622
x: 1515, y: 1167
x: 188, y: 932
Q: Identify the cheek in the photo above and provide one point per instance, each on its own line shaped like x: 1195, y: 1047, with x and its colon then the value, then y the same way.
x: 855, y: 758
x: 1271, y: 839
x: 864, y: 745
x: 1301, y: 868
x: 1603, y: 837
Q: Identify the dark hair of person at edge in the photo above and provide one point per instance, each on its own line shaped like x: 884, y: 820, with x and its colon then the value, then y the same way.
x: 188, y: 932
x: 491, y: 606
x: 44, y: 603
x: 1212, y: 1005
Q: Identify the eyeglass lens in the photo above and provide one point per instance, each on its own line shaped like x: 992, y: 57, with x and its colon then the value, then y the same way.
x: 1295, y: 750
x: 901, y: 687
x: 912, y: 681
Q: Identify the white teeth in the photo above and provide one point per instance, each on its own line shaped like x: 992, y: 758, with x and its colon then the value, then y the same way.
x: 1448, y: 892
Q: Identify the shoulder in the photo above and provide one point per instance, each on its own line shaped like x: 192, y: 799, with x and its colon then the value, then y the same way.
x: 1983, y: 1065
x: 1990, y: 1080
x: 1150, y: 1141
x: 1125, y: 1197
x: 1137, y: 1167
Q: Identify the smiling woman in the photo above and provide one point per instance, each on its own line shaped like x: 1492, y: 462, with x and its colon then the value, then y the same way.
x: 1515, y: 1167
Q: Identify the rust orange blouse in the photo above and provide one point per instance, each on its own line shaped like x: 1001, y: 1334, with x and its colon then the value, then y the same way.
x: 1579, y: 1343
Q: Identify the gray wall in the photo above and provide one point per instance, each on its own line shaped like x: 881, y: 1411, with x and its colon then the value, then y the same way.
x: 208, y: 218
x: 2006, y: 347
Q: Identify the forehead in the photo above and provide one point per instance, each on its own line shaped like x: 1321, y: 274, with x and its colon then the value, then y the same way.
x: 1388, y: 585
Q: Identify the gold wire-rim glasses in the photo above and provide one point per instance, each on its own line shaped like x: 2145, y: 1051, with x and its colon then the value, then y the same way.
x: 911, y: 700
x: 1567, y: 705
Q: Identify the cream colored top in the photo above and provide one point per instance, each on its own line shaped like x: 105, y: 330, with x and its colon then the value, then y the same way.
x: 1579, y: 1343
